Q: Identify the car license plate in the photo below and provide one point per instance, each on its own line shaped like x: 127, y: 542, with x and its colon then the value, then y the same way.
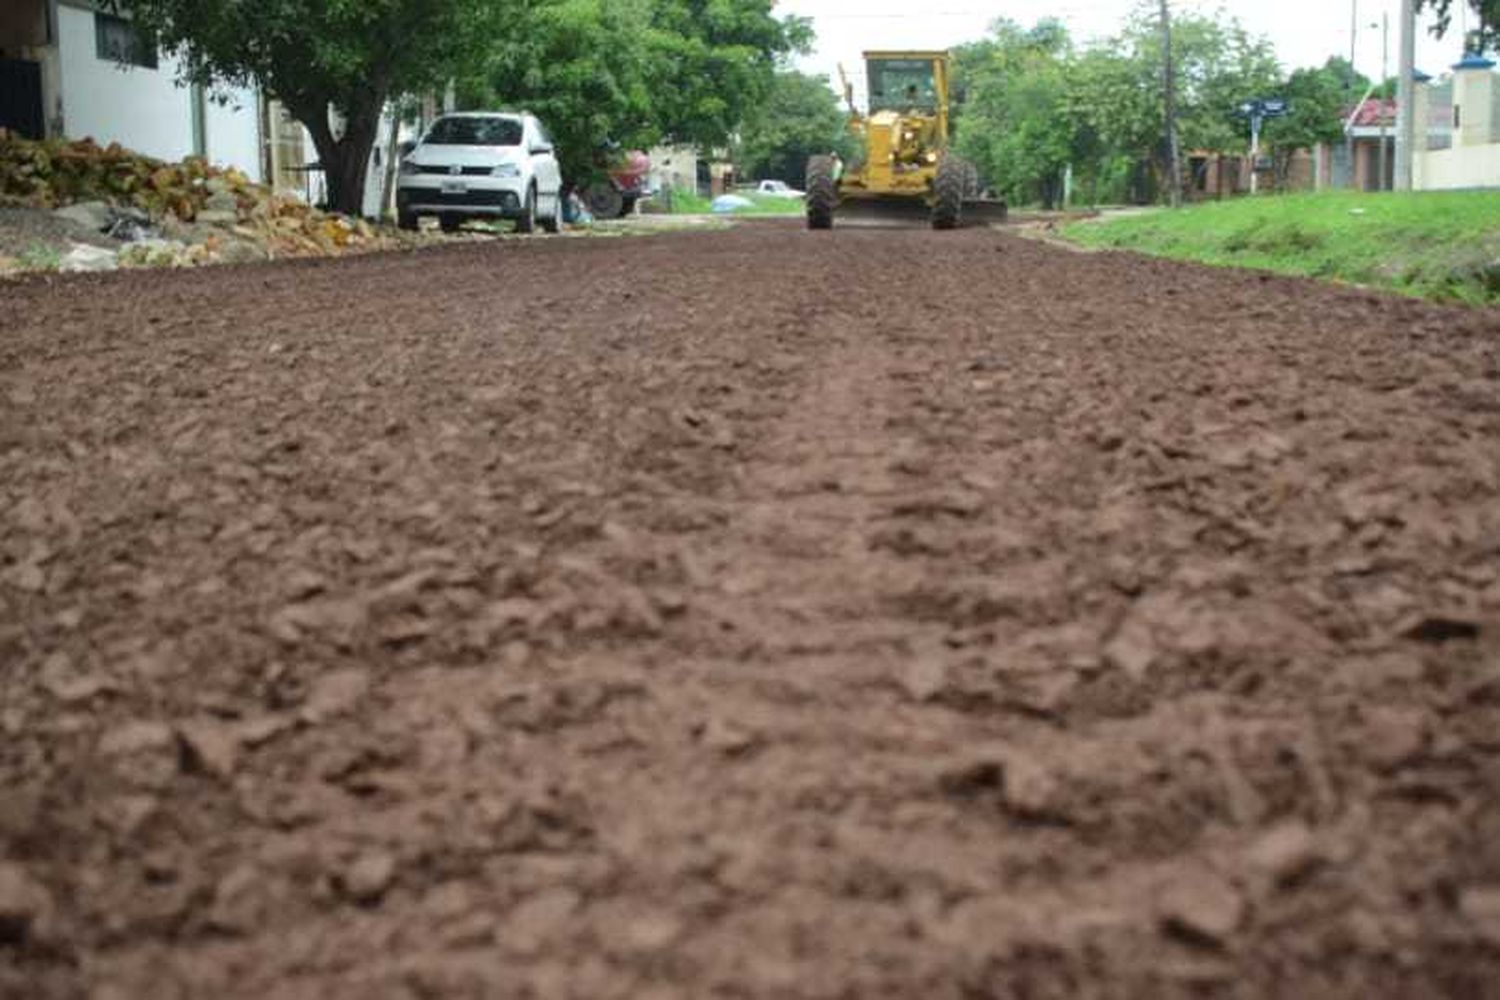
x: 455, y: 187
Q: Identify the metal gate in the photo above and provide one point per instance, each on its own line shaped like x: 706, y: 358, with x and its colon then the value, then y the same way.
x: 21, y: 98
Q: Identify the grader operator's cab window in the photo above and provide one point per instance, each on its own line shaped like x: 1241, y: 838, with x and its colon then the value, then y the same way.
x: 902, y: 84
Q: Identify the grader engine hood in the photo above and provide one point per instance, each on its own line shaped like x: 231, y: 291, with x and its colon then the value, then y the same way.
x: 901, y: 151
x: 903, y: 140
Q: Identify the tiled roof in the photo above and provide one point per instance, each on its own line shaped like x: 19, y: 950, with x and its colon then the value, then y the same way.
x: 1373, y: 112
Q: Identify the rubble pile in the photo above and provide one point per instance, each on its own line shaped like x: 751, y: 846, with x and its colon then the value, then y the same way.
x: 171, y: 214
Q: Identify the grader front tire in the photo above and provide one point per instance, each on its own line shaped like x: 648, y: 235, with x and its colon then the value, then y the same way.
x: 948, y: 194
x: 822, y: 192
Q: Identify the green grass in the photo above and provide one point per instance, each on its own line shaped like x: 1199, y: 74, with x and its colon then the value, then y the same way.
x: 39, y: 257
x: 1437, y: 245
x: 692, y: 204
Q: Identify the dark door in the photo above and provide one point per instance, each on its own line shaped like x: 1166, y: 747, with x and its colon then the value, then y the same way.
x: 21, y: 97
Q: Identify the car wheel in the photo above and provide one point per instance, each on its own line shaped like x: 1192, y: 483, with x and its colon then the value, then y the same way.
x: 604, y: 200
x: 553, y: 223
x: 450, y: 223
x: 407, y: 221
x: 527, y: 222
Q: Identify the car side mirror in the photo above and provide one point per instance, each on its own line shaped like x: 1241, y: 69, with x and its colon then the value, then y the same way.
x: 405, y: 149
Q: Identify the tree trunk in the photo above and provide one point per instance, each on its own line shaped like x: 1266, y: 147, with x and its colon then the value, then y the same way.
x: 345, y: 159
x: 393, y: 151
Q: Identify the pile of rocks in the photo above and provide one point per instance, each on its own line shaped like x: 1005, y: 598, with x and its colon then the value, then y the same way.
x: 170, y: 215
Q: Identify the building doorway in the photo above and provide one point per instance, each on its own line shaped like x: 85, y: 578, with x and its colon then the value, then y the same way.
x: 21, y: 108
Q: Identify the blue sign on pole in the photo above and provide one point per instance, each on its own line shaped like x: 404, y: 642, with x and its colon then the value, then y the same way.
x: 1266, y: 107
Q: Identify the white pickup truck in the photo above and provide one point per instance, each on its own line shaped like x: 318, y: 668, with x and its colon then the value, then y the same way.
x: 775, y: 189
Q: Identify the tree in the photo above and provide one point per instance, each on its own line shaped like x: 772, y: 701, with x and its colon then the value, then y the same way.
x: 715, y: 60
x: 585, y: 68
x: 1013, y: 124
x: 609, y: 73
x: 333, y: 63
x: 1487, y: 35
x: 1115, y: 90
x: 800, y: 117
x: 1318, y: 98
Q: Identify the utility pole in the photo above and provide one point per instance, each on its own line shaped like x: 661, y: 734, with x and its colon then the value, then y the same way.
x: 1385, y: 76
x: 1406, y: 99
x: 1353, y: 55
x: 1174, y: 166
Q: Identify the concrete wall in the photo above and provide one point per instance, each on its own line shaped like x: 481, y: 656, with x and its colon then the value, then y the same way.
x: 1474, y: 93
x: 146, y: 110
x: 1460, y: 167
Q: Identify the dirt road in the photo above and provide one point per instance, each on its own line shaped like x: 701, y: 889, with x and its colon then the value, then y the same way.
x: 748, y: 614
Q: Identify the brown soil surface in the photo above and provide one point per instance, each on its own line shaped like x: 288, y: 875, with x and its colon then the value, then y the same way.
x: 746, y: 614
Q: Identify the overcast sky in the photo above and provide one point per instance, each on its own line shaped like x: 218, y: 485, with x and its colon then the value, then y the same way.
x: 1305, y: 32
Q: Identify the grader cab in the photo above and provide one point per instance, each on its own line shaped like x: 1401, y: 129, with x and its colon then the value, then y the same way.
x: 905, y: 168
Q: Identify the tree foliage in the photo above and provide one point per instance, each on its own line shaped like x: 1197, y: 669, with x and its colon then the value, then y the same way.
x: 714, y: 60
x: 610, y: 73
x: 1319, y: 98
x: 1037, y: 104
x: 1485, y: 36
x: 584, y: 67
x: 1013, y: 123
x: 800, y: 117
x: 333, y: 63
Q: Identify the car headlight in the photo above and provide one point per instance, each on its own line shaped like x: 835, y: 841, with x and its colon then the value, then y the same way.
x: 506, y: 170
x: 408, y: 168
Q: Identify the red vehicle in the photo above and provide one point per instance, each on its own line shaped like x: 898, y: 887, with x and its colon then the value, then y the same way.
x: 626, y: 182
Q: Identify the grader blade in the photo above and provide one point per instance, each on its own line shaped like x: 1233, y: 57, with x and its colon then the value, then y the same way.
x: 916, y: 213
x: 899, y: 212
x: 985, y: 212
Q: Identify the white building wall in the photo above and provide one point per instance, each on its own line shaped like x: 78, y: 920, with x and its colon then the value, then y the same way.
x: 145, y: 110
x: 1460, y: 167
x: 675, y: 167
x: 233, y: 132
x: 141, y: 109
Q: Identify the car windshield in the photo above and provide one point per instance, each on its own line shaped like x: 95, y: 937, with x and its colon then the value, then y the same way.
x: 475, y: 132
x: 899, y: 84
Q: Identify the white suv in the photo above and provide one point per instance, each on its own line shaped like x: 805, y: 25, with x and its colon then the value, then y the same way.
x: 482, y: 165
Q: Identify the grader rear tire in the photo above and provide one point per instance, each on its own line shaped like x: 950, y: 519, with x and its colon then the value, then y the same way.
x: 822, y: 192
x: 948, y: 194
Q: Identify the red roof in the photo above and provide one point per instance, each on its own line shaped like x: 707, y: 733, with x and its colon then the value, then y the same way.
x: 1373, y: 112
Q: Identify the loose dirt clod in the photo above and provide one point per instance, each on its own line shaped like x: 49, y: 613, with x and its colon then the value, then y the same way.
x: 1286, y: 852
x: 1202, y: 908
x: 25, y: 905
x: 211, y: 747
x: 369, y: 876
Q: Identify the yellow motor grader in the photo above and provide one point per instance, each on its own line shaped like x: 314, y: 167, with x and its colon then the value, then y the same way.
x: 905, y: 167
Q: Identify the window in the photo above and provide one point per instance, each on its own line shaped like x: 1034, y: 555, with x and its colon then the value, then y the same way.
x: 902, y: 84
x: 461, y: 131
x: 117, y: 40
